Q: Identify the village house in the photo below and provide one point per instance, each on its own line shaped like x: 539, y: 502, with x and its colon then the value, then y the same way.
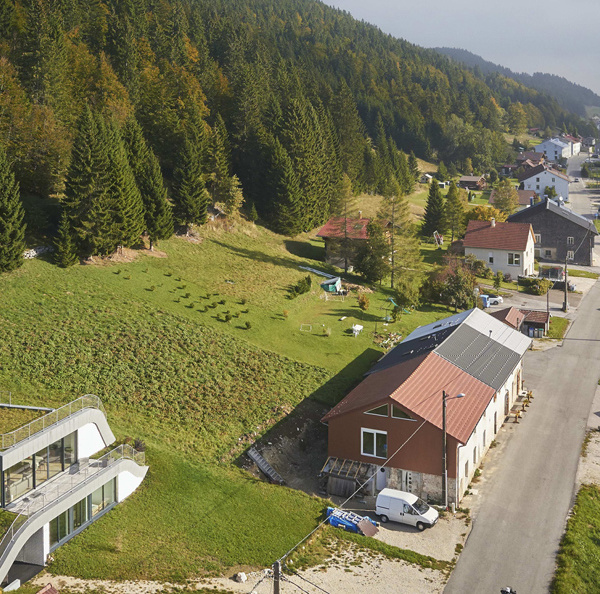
x: 559, y: 232
x: 390, y: 426
x: 526, y: 198
x: 532, y: 323
x: 534, y: 157
x: 472, y: 182
x: 49, y: 476
x: 333, y: 233
x: 573, y: 142
x: 504, y: 247
x: 541, y: 177
x: 554, y: 149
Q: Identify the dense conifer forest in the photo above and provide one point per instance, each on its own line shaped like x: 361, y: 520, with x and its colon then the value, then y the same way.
x: 120, y: 117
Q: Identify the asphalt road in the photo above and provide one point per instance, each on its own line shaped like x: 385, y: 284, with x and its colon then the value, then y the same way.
x: 519, y: 524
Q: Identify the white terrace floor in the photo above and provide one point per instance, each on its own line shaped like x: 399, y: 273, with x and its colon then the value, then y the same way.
x: 57, y: 486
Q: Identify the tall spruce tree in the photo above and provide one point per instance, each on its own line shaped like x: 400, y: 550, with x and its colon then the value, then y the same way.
x: 87, y: 188
x: 433, y: 220
x: 455, y: 211
x: 413, y: 166
x: 65, y: 253
x: 220, y: 159
x: 190, y: 196
x: 124, y: 195
x: 158, y: 216
x: 12, y: 227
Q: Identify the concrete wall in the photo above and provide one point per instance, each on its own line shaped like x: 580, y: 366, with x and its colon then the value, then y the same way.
x: 36, y: 442
x: 127, y: 483
x: 89, y: 440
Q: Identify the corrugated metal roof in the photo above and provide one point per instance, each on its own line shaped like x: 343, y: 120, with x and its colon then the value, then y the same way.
x: 418, y: 389
x: 501, y: 333
x: 480, y: 356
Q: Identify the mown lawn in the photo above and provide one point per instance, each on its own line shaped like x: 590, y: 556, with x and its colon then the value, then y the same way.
x: 145, y: 337
x: 578, y: 567
x: 558, y: 327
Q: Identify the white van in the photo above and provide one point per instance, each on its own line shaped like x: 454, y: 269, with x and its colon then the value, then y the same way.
x: 406, y: 508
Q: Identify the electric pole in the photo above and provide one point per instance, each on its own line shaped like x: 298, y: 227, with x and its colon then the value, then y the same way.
x: 566, y: 301
x: 276, y: 577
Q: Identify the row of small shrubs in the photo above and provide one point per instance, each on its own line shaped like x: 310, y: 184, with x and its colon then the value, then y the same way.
x: 301, y: 287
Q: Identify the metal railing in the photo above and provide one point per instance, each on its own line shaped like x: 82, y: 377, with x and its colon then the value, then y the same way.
x: 62, y: 485
x: 8, y: 440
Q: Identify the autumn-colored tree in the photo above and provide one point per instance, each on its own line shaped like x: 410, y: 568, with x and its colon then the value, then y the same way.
x: 485, y: 213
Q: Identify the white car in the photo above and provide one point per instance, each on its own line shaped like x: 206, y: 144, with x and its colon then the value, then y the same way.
x: 577, y: 179
x: 494, y: 299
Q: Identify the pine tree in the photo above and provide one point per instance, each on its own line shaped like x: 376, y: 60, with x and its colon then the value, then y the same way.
x: 220, y: 158
x: 346, y: 210
x: 158, y: 216
x: 234, y: 199
x: 86, y: 200
x: 190, y: 196
x: 124, y: 195
x: 12, y: 227
x: 65, y: 253
x: 433, y: 220
x: 372, y: 259
x: 413, y: 166
x: 454, y: 211
x: 253, y: 214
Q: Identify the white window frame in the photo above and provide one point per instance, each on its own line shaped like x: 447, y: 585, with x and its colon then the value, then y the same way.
x: 399, y: 418
x: 374, y: 431
x: 490, y: 257
x: 570, y: 255
x: 538, y: 238
x: 368, y: 412
x: 570, y: 241
x: 516, y: 259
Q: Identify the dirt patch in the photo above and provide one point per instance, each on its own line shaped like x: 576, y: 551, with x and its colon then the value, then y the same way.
x: 588, y: 471
x: 296, y: 448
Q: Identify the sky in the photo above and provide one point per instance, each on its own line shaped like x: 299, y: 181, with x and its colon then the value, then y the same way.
x: 555, y: 36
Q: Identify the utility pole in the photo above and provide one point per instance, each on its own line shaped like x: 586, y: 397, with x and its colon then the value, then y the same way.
x: 566, y: 301
x: 444, y: 461
x: 276, y: 577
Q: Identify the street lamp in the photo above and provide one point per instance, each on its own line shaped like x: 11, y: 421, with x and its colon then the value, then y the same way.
x: 445, y: 398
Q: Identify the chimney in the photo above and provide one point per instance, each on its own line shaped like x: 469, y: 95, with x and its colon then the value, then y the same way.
x: 493, y: 222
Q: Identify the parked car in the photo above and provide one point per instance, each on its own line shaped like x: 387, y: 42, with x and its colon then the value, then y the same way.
x: 577, y: 179
x: 489, y: 300
x: 405, y: 508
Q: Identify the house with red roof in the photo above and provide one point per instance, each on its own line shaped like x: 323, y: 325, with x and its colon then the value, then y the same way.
x: 389, y: 429
x: 338, y: 229
x: 533, y: 323
x: 502, y: 246
x: 541, y: 177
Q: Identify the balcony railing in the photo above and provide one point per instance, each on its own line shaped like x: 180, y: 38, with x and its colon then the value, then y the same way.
x: 62, y: 485
x: 7, y: 440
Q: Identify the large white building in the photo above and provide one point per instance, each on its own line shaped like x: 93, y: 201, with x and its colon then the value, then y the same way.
x: 555, y: 149
x: 54, y: 487
x: 541, y: 177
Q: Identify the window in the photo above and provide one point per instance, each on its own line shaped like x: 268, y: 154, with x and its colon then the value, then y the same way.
x: 538, y: 238
x: 537, y: 179
x: 514, y: 259
x: 490, y: 257
x: 570, y: 241
x: 570, y: 255
x: 374, y: 443
x: 484, y: 440
x: 553, y: 179
x: 467, y: 468
x: 537, y: 187
x: 380, y: 411
x: 474, y: 455
x: 547, y: 253
x: 398, y: 413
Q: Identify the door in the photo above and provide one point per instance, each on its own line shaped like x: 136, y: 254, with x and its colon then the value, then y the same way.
x: 409, y: 515
x: 506, y: 404
x: 495, y: 423
x: 381, y: 480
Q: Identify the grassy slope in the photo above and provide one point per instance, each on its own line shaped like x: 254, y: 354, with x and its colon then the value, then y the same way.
x: 194, y: 388
x: 578, y: 566
x: 13, y: 418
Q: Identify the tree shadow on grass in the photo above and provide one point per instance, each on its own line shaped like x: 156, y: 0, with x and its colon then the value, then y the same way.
x: 305, y: 249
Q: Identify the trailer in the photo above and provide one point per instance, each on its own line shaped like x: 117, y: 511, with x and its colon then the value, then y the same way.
x: 352, y: 522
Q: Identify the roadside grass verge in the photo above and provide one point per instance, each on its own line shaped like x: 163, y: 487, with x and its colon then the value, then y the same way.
x: 332, y: 542
x: 578, y: 569
x: 558, y: 327
x: 583, y: 273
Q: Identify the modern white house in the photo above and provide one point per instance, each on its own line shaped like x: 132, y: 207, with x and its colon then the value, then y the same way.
x: 541, y: 177
x: 554, y: 149
x: 505, y: 247
x: 52, y: 487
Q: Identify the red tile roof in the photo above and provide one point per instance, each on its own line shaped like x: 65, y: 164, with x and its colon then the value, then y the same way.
x: 356, y: 228
x: 502, y: 236
x: 524, y: 197
x: 531, y: 156
x: 539, y: 317
x: 48, y: 589
x: 417, y: 385
x: 511, y: 316
x: 540, y: 169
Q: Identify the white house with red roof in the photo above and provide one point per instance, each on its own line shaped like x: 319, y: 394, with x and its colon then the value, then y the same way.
x: 505, y: 247
x: 541, y: 177
x: 390, y: 427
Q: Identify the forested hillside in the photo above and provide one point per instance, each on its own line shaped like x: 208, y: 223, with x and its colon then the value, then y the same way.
x: 570, y: 95
x: 127, y: 116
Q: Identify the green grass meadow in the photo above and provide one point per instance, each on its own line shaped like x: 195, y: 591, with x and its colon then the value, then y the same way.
x: 149, y: 337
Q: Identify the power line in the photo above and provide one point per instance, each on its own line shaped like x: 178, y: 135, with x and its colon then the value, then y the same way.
x: 306, y: 580
x: 287, y: 579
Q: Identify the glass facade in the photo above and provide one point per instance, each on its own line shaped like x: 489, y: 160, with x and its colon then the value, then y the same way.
x: 35, y: 470
x: 82, y: 513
